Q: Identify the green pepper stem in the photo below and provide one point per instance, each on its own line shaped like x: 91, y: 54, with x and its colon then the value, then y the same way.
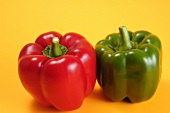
x: 55, y: 48
x: 125, y: 38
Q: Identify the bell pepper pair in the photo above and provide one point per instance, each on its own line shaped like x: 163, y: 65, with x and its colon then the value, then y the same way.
x: 61, y: 70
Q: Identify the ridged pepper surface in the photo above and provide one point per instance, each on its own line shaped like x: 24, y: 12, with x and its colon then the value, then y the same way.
x: 58, y: 70
x: 129, y: 65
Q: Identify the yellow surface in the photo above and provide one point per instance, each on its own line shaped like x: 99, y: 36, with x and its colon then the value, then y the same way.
x: 21, y: 21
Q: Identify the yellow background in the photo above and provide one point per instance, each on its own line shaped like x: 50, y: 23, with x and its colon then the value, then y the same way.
x: 21, y: 21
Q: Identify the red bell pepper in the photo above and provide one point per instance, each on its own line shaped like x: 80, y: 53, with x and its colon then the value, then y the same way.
x: 58, y: 71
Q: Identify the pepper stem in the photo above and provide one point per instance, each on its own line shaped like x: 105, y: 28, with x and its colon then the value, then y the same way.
x: 55, y: 50
x: 125, y: 38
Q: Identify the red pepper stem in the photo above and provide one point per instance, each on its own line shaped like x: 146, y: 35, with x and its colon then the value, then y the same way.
x: 125, y: 39
x: 55, y: 48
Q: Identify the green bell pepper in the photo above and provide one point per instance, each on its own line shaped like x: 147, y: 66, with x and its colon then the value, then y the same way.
x: 129, y: 65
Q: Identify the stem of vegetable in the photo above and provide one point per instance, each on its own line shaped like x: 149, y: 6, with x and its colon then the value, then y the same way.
x: 55, y: 48
x: 125, y: 38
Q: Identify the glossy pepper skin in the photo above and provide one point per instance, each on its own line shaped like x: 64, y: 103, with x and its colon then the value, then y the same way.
x: 57, y: 78
x: 129, y: 65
